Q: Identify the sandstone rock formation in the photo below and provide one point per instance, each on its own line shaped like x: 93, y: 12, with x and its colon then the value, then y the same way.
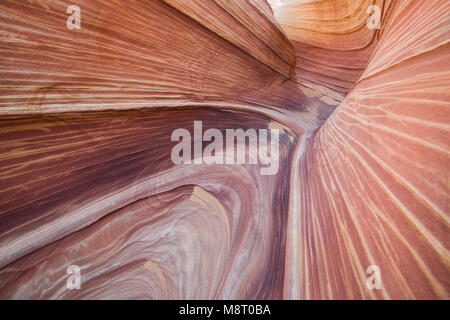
x: 86, y: 117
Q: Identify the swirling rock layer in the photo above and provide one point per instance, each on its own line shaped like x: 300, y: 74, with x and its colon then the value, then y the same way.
x: 87, y: 179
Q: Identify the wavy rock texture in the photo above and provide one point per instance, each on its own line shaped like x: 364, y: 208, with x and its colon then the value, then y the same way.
x: 87, y: 179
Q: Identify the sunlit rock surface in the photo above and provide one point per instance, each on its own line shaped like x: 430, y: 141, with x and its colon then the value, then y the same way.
x: 86, y: 118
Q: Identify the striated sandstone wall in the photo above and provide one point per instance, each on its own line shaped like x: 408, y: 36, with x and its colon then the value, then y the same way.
x: 86, y: 176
